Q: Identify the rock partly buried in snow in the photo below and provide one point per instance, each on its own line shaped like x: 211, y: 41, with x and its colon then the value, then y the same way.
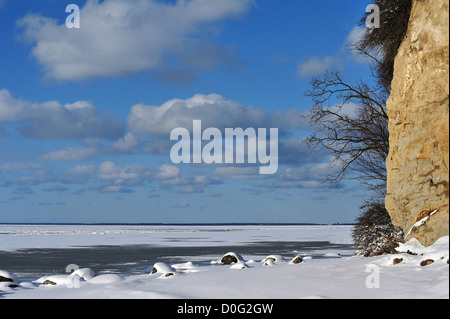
x: 6, y: 276
x: 296, y: 260
x: 229, y: 258
x: 163, y: 269
x: 274, y: 259
x: 426, y: 262
x: 56, y: 280
x: 269, y: 262
x: 85, y: 273
x: 4, y: 279
x: 397, y: 261
x: 10, y: 279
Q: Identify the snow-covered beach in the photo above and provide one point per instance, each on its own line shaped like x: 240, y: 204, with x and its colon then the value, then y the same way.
x: 323, y: 272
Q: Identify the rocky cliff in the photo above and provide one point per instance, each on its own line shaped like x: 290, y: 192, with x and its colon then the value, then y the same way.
x: 418, y: 108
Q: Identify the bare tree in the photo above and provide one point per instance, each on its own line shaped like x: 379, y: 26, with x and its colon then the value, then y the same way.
x: 351, y: 122
x: 351, y: 119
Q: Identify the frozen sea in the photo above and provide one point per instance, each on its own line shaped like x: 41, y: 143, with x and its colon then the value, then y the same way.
x: 33, y: 251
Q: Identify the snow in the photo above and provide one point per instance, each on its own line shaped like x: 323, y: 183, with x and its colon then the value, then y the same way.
x: 421, y: 222
x: 333, y: 275
x: 105, y: 279
x: 85, y: 273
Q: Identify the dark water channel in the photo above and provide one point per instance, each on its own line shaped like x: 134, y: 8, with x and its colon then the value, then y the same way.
x: 136, y: 259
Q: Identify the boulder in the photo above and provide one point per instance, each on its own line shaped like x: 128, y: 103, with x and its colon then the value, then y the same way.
x: 4, y: 279
x: 397, y: 261
x: 275, y: 259
x: 9, y: 279
x: 163, y: 269
x: 426, y: 262
x: 55, y: 280
x: 296, y: 260
x: 230, y: 258
x: 6, y: 276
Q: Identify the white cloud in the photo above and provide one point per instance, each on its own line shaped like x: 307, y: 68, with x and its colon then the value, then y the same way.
x: 35, y: 177
x: 166, y: 171
x: 355, y: 35
x: 70, y: 154
x: 119, y: 37
x: 315, y: 65
x: 213, y: 110
x: 115, y: 189
x: 20, y: 166
x: 53, y: 120
x: 79, y: 174
x: 128, y: 175
x: 127, y: 144
x: 307, y: 173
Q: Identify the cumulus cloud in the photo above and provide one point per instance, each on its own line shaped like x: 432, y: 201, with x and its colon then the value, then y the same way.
x: 355, y: 35
x: 32, y: 178
x: 53, y: 120
x: 166, y: 171
x: 310, y: 175
x: 130, y: 175
x: 316, y: 65
x: 70, y: 154
x: 187, y: 183
x: 120, y: 37
x: 20, y: 166
x: 213, y: 110
x: 127, y: 144
x: 109, y: 177
x: 79, y: 174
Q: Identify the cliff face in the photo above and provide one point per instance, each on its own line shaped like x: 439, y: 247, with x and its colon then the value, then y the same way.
x: 418, y: 108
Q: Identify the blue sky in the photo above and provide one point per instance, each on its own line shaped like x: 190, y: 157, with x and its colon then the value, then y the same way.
x: 86, y: 114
